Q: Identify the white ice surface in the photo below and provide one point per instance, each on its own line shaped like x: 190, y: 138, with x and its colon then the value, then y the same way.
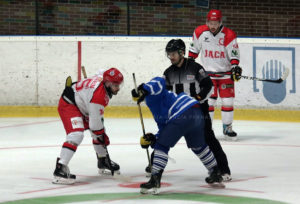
x: 265, y: 161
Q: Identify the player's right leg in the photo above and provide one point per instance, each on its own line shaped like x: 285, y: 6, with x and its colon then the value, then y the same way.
x: 208, y: 160
x: 227, y: 95
x: 104, y: 168
x: 195, y: 139
x: 73, y: 124
x: 160, y: 160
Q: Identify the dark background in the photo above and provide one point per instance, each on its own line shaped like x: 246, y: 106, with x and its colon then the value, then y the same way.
x: 255, y: 18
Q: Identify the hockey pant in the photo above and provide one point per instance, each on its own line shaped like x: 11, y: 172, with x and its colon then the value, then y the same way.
x: 225, y: 89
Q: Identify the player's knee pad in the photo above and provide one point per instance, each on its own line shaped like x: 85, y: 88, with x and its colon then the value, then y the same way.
x: 227, y: 102
x: 212, y: 101
x: 75, y: 138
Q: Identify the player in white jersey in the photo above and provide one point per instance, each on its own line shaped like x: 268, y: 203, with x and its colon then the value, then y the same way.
x: 219, y: 55
x: 81, y: 107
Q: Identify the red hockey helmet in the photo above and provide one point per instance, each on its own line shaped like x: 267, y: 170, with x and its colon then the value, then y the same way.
x: 214, y: 15
x: 113, y: 75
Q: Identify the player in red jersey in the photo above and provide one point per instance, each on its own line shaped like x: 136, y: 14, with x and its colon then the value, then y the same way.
x: 81, y: 107
x: 219, y: 55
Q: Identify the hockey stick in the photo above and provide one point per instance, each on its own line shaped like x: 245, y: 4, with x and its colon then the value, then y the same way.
x: 83, y: 72
x: 141, y: 119
x: 281, y: 79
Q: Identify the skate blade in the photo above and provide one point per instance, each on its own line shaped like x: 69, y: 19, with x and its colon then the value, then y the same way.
x: 230, y: 139
x: 64, y: 181
x: 151, y: 191
x: 226, y: 178
x: 106, y: 172
x: 117, y: 175
x: 217, y: 185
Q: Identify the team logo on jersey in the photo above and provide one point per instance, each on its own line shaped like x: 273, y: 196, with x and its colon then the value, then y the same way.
x: 214, y: 54
x: 206, y: 39
x: 101, y: 111
x: 225, y: 86
x: 221, y: 41
x: 77, y: 122
x: 190, y: 77
x: 271, y: 63
x: 234, y: 53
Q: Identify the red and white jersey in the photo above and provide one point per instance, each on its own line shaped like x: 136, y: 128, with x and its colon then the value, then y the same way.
x: 217, y: 52
x: 91, y: 98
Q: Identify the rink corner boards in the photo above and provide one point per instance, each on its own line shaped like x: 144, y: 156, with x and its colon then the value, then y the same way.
x: 132, y: 112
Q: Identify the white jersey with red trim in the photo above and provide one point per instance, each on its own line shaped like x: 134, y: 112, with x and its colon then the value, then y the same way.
x: 218, y: 53
x: 91, y: 98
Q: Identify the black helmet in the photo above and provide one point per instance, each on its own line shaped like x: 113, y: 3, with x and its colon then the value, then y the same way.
x: 175, y: 45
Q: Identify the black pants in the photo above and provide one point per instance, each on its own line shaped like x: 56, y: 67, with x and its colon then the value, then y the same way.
x: 213, y: 142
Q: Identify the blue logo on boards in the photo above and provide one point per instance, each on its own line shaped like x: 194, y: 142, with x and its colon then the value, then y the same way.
x: 271, y: 63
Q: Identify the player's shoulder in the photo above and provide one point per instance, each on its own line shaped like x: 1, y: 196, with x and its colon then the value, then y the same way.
x: 195, y: 65
x: 169, y: 70
x: 100, y: 96
x: 229, y: 35
x: 200, y: 29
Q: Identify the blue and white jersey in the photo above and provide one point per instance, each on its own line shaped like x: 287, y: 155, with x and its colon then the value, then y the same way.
x: 165, y: 105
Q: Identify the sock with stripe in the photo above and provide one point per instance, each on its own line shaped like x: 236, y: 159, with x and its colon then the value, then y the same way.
x: 206, y: 157
x: 67, y: 153
x: 160, y: 158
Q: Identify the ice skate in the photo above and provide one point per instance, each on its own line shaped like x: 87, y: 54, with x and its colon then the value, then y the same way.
x: 215, y: 179
x: 104, y: 167
x: 153, y: 185
x: 229, y: 134
x: 226, y: 177
x: 62, y: 174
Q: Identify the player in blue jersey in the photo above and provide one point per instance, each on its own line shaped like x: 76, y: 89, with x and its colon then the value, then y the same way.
x: 176, y: 116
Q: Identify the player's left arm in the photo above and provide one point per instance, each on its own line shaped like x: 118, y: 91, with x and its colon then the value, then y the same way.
x: 233, y: 53
x: 96, y: 123
x: 205, y: 83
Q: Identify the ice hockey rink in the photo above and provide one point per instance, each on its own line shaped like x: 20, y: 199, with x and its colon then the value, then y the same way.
x: 265, y: 165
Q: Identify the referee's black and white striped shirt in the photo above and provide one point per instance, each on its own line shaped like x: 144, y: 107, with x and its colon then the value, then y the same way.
x: 190, y: 78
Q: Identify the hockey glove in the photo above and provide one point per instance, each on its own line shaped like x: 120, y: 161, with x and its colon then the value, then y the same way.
x: 236, y: 73
x: 147, y: 140
x: 103, y: 139
x: 140, y: 94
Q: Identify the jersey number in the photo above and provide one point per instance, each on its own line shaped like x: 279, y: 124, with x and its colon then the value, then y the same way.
x: 87, y: 83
